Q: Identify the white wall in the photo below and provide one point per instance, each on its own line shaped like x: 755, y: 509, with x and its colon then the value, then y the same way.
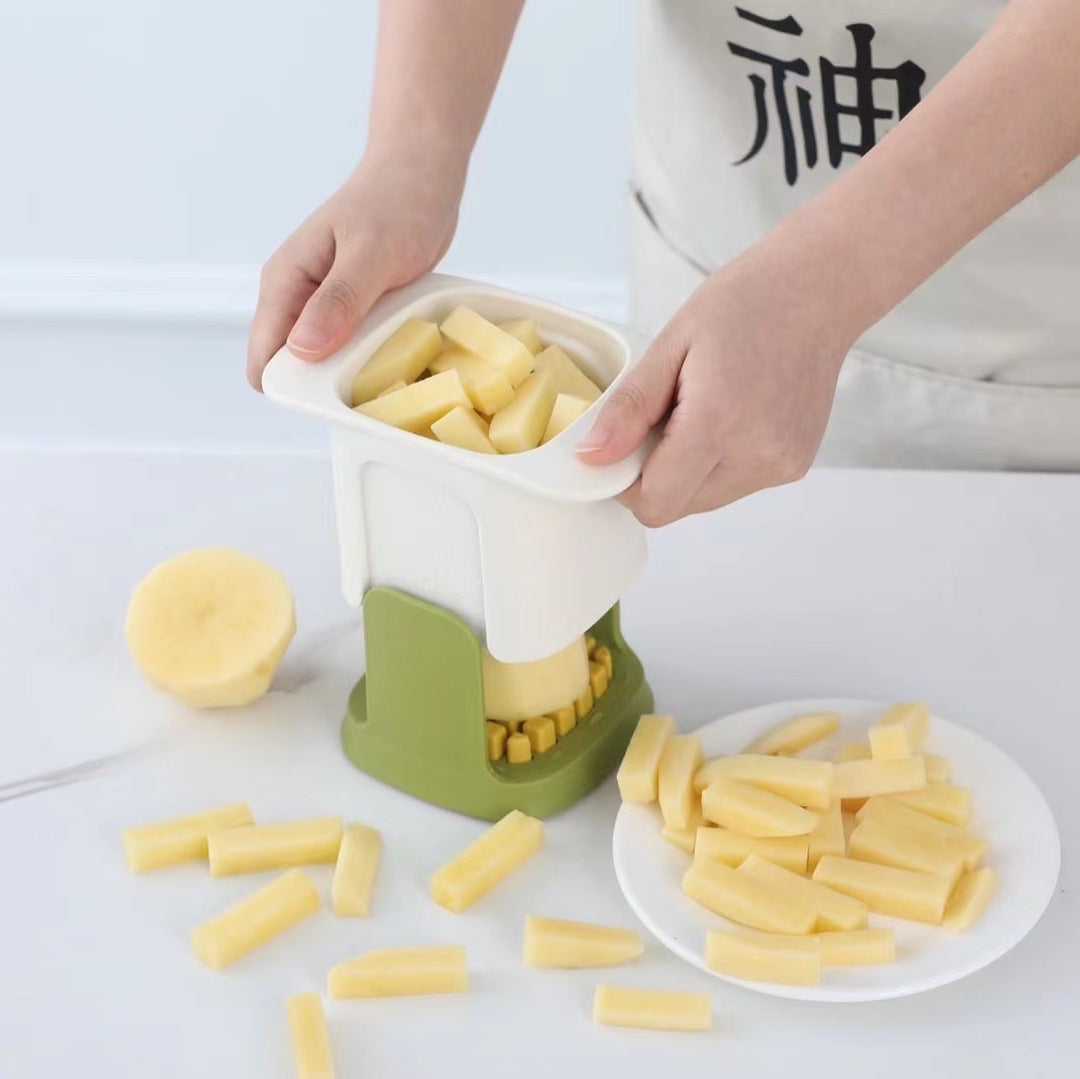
x: 154, y: 154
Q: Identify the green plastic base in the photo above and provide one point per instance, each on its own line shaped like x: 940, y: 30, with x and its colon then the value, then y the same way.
x: 416, y: 719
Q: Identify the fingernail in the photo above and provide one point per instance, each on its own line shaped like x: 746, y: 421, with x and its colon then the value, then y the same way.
x: 594, y: 441
x: 306, y: 337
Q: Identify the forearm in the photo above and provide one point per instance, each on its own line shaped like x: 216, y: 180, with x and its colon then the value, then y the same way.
x: 1004, y: 121
x: 435, y: 72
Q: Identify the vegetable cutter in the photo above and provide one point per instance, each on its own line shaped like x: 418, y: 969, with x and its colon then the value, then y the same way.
x: 449, y: 552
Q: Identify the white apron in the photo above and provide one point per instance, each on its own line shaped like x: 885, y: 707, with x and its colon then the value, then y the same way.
x: 746, y: 110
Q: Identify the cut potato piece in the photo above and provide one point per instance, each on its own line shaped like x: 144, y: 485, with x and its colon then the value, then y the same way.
x: 782, y: 959
x: 805, y: 782
x: 183, y: 839
x: 518, y: 749
x: 253, y: 921
x: 598, y: 679
x: 900, y: 732
x: 473, y: 332
x: 941, y: 800
x: 400, y: 358
x: 938, y: 769
x: 494, y: 856
x: 540, y: 730
x: 651, y: 1009
x: 583, y: 705
x: 732, y: 803
x: 496, y: 740
x: 392, y: 388
x: 420, y: 404
x: 563, y: 413
x: 400, y: 972
x: 833, y: 909
x: 969, y: 899
x: 857, y: 947
x: 520, y: 691
x: 638, y: 775
x: 566, y: 376
x: 520, y: 425
x: 903, y: 893
x: 354, y: 872
x: 463, y: 428
x: 487, y: 386
x: 256, y: 847
x: 854, y: 751
x: 864, y: 779
x: 828, y: 836
x: 743, y: 898
x: 796, y: 734
x: 552, y: 942
x: 310, y: 1036
x: 733, y: 848
x: 882, y: 839
x: 565, y: 720
x: 210, y: 626
x: 686, y: 838
x: 524, y: 329
x: 930, y: 829
x: 681, y: 758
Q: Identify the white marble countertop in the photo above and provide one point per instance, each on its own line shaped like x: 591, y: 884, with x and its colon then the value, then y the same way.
x: 961, y: 588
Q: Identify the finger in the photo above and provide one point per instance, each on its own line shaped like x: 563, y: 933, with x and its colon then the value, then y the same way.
x: 282, y: 295
x: 637, y: 404
x: 675, y: 470
x: 335, y: 309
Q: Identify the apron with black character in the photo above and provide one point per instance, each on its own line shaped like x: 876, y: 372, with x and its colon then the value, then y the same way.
x: 744, y: 111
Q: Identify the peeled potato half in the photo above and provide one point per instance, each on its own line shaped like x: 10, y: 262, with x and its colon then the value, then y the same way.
x: 210, y: 626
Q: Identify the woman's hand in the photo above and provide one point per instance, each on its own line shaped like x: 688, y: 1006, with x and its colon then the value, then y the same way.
x: 388, y: 224
x: 742, y: 379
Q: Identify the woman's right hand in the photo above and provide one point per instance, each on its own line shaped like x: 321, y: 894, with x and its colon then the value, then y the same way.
x: 390, y: 222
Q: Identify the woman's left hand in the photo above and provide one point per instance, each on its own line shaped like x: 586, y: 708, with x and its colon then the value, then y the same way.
x: 742, y: 379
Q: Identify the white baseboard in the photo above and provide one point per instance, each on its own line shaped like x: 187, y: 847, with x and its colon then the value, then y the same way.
x: 208, y: 295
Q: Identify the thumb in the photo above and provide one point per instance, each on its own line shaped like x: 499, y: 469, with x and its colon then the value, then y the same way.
x: 334, y: 309
x: 636, y: 405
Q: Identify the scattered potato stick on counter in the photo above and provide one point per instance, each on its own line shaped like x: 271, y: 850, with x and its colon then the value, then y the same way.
x: 903, y: 893
x: 782, y: 959
x: 253, y: 921
x: 805, y: 782
x: 796, y: 734
x: 651, y: 1009
x: 745, y: 899
x: 733, y: 848
x: 833, y: 910
x: 553, y: 942
x: 310, y: 1036
x: 638, y: 775
x: 864, y: 779
x: 183, y: 839
x: 400, y: 972
x: 734, y: 804
x: 491, y: 858
x: 354, y: 872
x: 256, y: 847
x: 969, y: 899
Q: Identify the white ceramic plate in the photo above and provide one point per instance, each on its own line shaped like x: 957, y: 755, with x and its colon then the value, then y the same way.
x: 1010, y: 812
